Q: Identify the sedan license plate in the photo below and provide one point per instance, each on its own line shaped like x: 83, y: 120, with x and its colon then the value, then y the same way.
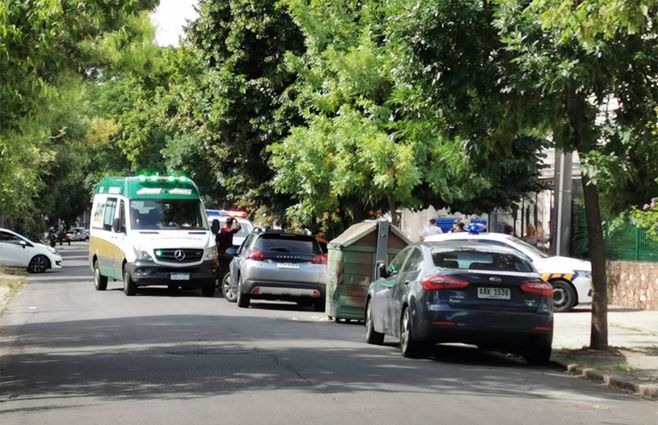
x: 180, y: 276
x: 494, y: 293
x: 287, y: 265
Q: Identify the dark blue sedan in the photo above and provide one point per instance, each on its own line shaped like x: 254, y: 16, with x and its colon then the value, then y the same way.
x: 488, y: 296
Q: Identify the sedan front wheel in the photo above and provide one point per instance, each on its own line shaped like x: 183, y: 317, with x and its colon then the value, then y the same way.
x: 372, y: 336
x: 38, y: 264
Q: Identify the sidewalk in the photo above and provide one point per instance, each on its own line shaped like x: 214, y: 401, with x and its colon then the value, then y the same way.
x: 631, y: 363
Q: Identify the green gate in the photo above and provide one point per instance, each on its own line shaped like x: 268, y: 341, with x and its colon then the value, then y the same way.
x: 630, y: 243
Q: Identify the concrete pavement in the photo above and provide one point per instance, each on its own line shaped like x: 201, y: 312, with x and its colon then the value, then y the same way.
x: 631, y: 362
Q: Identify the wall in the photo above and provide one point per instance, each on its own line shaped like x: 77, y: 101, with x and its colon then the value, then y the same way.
x: 633, y: 284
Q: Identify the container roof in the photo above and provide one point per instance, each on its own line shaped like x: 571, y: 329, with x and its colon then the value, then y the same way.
x: 357, y: 231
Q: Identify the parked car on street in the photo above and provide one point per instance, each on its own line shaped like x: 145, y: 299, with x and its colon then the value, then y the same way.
x: 571, y: 277
x: 78, y: 234
x: 272, y: 265
x: 462, y: 292
x: 238, y: 216
x: 18, y: 251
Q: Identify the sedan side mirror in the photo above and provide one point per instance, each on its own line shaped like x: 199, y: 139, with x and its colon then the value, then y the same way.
x: 383, y: 270
x: 23, y: 244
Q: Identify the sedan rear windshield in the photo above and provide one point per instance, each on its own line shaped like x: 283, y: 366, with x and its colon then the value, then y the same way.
x: 288, y: 243
x: 481, y: 260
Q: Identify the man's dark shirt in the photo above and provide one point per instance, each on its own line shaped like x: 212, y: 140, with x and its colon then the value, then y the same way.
x: 224, y: 239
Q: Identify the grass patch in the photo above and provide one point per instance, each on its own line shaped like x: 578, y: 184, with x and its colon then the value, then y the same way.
x: 12, y: 282
x: 622, y: 367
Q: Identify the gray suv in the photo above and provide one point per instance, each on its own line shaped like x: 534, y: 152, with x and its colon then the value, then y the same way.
x: 279, y: 266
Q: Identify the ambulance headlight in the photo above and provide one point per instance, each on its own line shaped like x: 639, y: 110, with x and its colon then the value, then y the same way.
x: 142, y: 254
x: 211, y: 254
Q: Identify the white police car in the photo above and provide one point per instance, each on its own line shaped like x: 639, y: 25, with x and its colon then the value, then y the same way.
x: 571, y: 277
x: 240, y: 216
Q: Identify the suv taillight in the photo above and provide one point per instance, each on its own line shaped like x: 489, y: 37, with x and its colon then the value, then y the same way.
x: 538, y: 287
x: 436, y: 283
x: 256, y: 255
x: 319, y: 259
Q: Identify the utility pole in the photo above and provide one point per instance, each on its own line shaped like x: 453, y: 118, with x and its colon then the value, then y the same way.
x: 561, y: 216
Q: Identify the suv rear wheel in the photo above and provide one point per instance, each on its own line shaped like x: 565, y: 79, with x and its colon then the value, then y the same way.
x: 243, y: 299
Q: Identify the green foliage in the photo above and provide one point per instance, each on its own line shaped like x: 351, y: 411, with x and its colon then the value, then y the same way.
x: 50, y: 51
x: 592, y: 83
x: 232, y: 109
x: 647, y: 218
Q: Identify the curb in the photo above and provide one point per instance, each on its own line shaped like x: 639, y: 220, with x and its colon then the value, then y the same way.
x: 648, y: 391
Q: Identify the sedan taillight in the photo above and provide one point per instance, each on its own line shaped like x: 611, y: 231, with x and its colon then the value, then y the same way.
x: 538, y: 287
x: 436, y: 283
x: 256, y: 255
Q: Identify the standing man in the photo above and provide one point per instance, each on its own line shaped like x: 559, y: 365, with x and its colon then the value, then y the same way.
x: 224, y: 240
x: 431, y: 229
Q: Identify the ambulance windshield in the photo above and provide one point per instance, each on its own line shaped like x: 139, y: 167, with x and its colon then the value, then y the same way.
x: 167, y: 214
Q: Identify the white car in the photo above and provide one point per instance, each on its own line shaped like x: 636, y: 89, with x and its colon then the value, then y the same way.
x: 18, y: 251
x: 78, y: 234
x: 240, y: 216
x: 571, y: 277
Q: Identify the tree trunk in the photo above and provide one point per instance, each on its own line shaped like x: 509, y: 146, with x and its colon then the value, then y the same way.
x: 583, y: 141
x: 599, y: 328
x: 393, y: 210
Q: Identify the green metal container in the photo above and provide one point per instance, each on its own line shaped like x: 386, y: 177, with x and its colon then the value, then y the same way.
x: 352, y: 264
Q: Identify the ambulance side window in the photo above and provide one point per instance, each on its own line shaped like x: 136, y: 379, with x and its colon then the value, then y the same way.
x: 97, y: 220
x: 110, y: 209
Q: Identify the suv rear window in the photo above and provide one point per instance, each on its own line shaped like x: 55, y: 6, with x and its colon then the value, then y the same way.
x: 481, y: 260
x: 299, y: 244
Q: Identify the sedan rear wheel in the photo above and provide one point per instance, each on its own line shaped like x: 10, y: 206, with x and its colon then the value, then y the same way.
x: 372, y: 336
x: 38, y: 264
x: 409, y: 347
x: 538, y: 354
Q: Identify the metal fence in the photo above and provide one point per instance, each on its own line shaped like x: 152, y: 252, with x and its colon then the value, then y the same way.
x: 629, y: 243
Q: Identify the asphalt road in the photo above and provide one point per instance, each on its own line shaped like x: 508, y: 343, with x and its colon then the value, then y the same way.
x: 72, y: 355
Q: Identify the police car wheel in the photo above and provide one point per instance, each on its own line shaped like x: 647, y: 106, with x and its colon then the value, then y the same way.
x: 564, y: 296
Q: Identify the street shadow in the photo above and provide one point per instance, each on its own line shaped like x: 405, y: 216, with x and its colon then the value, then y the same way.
x: 196, y: 356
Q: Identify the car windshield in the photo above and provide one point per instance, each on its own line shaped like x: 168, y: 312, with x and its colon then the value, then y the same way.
x: 288, y: 243
x: 167, y: 214
x: 533, y: 249
x: 471, y: 259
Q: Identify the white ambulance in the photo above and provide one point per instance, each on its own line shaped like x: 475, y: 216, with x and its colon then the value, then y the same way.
x: 151, y: 230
